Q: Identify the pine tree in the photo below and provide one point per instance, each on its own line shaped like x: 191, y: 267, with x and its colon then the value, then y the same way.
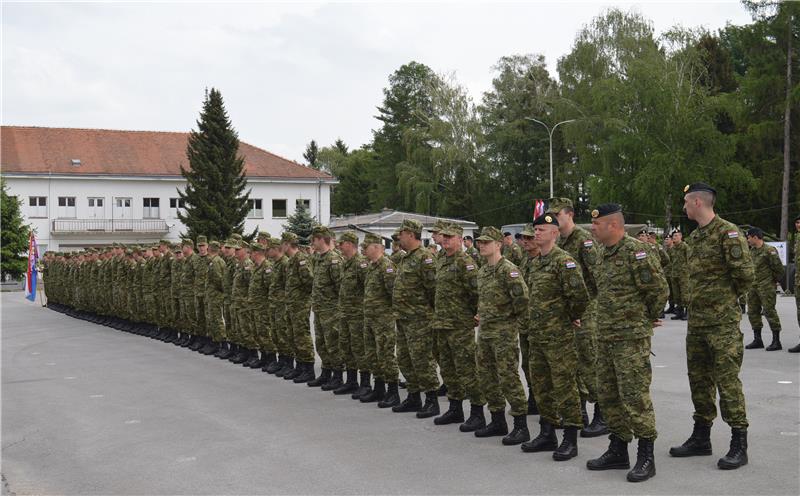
x: 301, y: 223
x: 311, y: 154
x: 14, y: 236
x: 216, y: 201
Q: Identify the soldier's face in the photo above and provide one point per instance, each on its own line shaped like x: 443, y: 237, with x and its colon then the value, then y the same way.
x: 564, y: 217
x: 203, y: 249
x: 451, y: 244
x: 690, y: 205
x: 797, y: 225
x: 677, y: 237
x: 406, y: 239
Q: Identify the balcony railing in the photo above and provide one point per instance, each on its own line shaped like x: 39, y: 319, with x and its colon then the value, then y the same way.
x: 109, y: 226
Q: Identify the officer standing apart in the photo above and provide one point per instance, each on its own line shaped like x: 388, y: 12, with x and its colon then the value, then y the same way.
x: 768, y: 270
x: 632, y: 291
x: 720, y: 271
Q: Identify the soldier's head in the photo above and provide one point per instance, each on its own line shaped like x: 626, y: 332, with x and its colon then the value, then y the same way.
x: 797, y: 223
x: 373, y: 246
x: 242, y: 250
x: 490, y: 242
x: 410, y: 234
x: 677, y: 237
x: 508, y: 238
x: 642, y: 235
x: 187, y: 246
x: 546, y: 229
x: 529, y: 240
x: 257, y: 253
x: 452, y: 238
x: 213, y: 248
x: 321, y: 237
x: 202, y: 245
x: 436, y: 231
x: 290, y: 243
x: 348, y: 244
x: 755, y: 237
x: 564, y: 211
x: 608, y: 224
x: 698, y: 202
x: 668, y: 242
x: 163, y: 246
x: 468, y: 241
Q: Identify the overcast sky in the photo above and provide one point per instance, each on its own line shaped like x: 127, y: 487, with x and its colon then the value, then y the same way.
x: 288, y: 72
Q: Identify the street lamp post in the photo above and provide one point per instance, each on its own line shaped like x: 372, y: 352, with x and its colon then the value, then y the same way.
x: 550, y: 132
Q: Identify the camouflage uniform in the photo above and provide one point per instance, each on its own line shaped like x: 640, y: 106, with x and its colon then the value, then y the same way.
x: 299, y: 280
x: 324, y: 300
x: 200, y: 267
x: 379, y: 333
x: 678, y: 257
x: 188, y: 309
x: 720, y: 271
x: 768, y: 270
x: 351, y: 312
x: 513, y: 253
x: 281, y: 334
x: 557, y: 297
x: 214, y: 298
x: 632, y: 291
x: 240, y: 309
x: 258, y: 303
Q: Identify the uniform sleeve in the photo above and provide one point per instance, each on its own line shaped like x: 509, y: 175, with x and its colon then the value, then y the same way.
x: 471, y: 282
x: 739, y: 262
x: 573, y: 287
x: 428, y: 268
x: 305, y: 271
x: 389, y: 275
x: 648, y: 275
x: 335, y: 273
x: 589, y: 256
x: 518, y: 292
x: 775, y: 265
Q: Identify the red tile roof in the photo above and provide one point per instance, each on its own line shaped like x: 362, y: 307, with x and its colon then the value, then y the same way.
x: 128, y: 153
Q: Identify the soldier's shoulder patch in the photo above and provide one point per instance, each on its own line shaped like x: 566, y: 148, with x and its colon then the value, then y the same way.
x: 469, y: 267
x: 334, y: 261
x: 513, y: 273
x: 363, y: 265
x: 570, y: 264
x: 428, y: 261
x: 389, y: 270
x: 736, y: 252
x: 588, y: 243
x: 302, y: 262
x: 640, y: 255
x: 268, y: 271
x: 733, y: 233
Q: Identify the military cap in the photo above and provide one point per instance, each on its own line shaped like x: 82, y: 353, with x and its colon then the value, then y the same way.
x: 257, y: 248
x: 136, y: 250
x: 546, y: 220
x: 695, y: 187
x: 371, y: 239
x: 230, y: 243
x: 289, y: 237
x: 452, y: 230
x: 527, y: 230
x: 396, y: 234
x: 438, y: 226
x: 555, y: 205
x: 176, y: 247
x: 507, y: 233
x: 242, y: 244
x: 263, y: 235
x: 214, y: 245
x: 468, y: 237
x: 202, y: 240
x: 411, y: 225
x: 606, y: 209
x: 128, y: 251
x: 642, y: 231
x: 164, y: 242
x: 348, y: 236
x: 755, y: 232
x: 490, y: 233
x: 236, y: 236
x: 322, y: 231
x: 187, y: 242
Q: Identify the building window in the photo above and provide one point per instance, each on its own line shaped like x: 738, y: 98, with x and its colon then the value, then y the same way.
x: 256, y: 212
x: 66, y: 207
x: 278, y: 209
x: 97, y: 208
x: 304, y: 203
x: 151, y: 210
x: 38, y: 206
x: 175, y: 204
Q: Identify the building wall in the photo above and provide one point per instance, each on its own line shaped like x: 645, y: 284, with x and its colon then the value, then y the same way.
x: 137, y: 189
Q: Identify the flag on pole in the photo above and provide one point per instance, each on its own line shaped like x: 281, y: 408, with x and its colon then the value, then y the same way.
x: 31, y: 275
x: 539, y: 208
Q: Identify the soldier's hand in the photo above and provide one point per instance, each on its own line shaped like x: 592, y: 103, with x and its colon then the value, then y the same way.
x: 657, y: 323
x: 576, y: 322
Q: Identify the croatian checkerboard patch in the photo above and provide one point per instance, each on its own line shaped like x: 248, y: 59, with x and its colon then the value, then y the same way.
x: 570, y: 264
x: 733, y: 234
x: 640, y: 255
x: 513, y: 273
x: 588, y: 243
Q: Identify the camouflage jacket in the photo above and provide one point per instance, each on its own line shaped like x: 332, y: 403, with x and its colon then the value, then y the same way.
x: 175, y: 276
x: 456, y: 297
x: 767, y: 266
x: 513, y: 253
x: 299, y: 280
x: 327, y: 277
x: 258, y: 293
x: 631, y: 290
x: 720, y: 271
x: 241, y: 281
x: 580, y: 245
x: 187, y: 275
x: 378, y: 287
x: 502, y: 296
x: 678, y: 260
x: 277, y: 286
x: 351, y: 289
x: 413, y: 295
x: 557, y: 296
x: 227, y: 277
x: 215, y: 287
x: 200, y: 267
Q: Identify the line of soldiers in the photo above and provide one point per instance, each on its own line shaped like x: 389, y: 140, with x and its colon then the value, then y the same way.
x: 579, y: 308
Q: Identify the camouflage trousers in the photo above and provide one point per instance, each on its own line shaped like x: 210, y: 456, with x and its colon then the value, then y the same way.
x: 714, y: 359
x: 586, y: 345
x: 351, y: 343
x: 498, y: 369
x: 148, y: 312
x: 189, y: 314
x: 213, y: 317
x: 553, y: 366
x: 326, y: 338
x: 525, y: 351
x: 262, y: 330
x: 624, y: 376
x: 175, y: 315
x: 244, y: 326
x: 279, y: 328
x: 761, y: 301
x: 200, y: 305
x: 232, y: 331
x: 681, y: 288
x: 415, y: 355
x: 301, y: 346
x: 458, y: 365
x: 226, y: 316
x: 379, y: 349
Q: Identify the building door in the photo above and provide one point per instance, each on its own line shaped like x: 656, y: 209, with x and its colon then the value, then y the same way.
x: 97, y: 208
x: 122, y: 208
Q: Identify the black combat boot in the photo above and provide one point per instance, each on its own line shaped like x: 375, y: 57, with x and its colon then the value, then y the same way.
x: 276, y: 365
x: 376, y: 393
x: 776, y: 342
x: 199, y: 342
x: 288, y: 366
x: 794, y: 349
x: 442, y: 391
x: 212, y: 348
x: 270, y: 361
x: 545, y: 441
x: 295, y: 372
x: 323, y: 378
x: 569, y: 445
x: 645, y: 467
x: 453, y: 415
x: 497, y: 427
x: 306, y: 375
x: 242, y: 354
x: 261, y: 361
x: 475, y: 421
x: 584, y: 414
x: 757, y: 343
x: 520, y: 433
x: 698, y: 444
x: 431, y: 406
x: 350, y: 385
x: 230, y: 350
x: 678, y: 313
x: 412, y: 403
x: 392, y: 397
x: 223, y: 346
x: 364, y: 387
x: 737, y: 454
x: 532, y: 408
x: 615, y: 457
x: 335, y: 382
x: 684, y: 314
x: 598, y: 426
x: 671, y: 308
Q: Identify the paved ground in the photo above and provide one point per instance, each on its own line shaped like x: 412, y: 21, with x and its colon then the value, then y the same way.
x: 90, y: 410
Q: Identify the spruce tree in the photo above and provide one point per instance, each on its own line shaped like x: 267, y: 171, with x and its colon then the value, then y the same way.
x: 301, y: 223
x: 216, y: 201
x: 14, y: 242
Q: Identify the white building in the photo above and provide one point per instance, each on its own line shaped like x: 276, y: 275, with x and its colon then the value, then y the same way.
x: 92, y: 187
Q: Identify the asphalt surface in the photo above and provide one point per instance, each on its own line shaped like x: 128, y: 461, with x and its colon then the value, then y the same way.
x: 90, y: 410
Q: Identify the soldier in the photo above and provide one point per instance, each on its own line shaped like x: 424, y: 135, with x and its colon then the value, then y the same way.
x: 557, y: 301
x: 720, y: 271
x: 768, y: 270
x: 379, y: 333
x: 201, y: 274
x: 351, y: 315
x: 632, y: 291
x: 456, y: 304
x: 214, y: 298
x: 469, y: 249
x: 578, y: 242
x: 188, y: 309
x: 175, y: 277
x: 511, y: 250
x: 796, y: 349
x: 281, y: 334
x: 502, y: 309
x: 397, y: 251
x: 324, y: 301
x: 679, y: 266
x: 240, y: 308
x: 299, y: 283
x: 258, y: 303
x: 412, y: 301
x: 231, y: 262
x: 531, y: 251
